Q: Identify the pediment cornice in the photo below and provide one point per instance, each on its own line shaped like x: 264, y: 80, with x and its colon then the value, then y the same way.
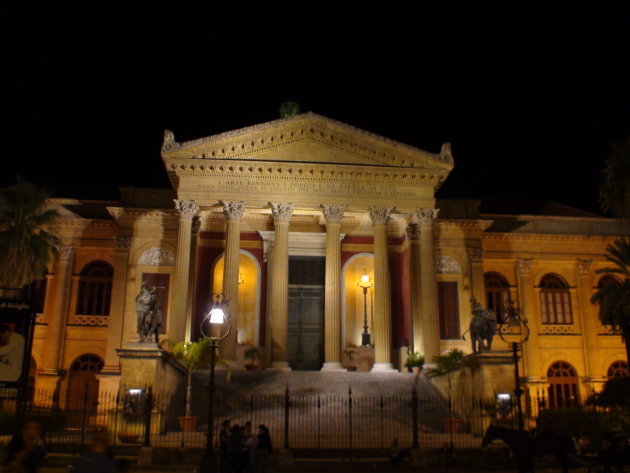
x: 350, y: 145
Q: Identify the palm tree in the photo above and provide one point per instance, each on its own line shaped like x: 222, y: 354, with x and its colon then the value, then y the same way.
x: 614, y: 299
x: 27, y: 243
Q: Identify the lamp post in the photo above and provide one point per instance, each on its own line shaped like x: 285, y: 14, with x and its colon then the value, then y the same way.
x: 215, y: 318
x: 515, y: 331
x: 365, y: 283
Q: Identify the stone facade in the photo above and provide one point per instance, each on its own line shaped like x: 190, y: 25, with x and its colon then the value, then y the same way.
x: 245, y: 204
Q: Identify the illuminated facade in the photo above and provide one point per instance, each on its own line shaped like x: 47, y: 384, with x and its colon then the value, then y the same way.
x: 284, y: 218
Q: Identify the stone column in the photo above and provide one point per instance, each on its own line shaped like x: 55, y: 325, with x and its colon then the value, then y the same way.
x: 233, y: 212
x: 415, y: 287
x: 117, y: 305
x: 53, y: 354
x: 279, y: 301
x: 430, y: 324
x: 475, y: 256
x: 382, y: 291
x: 588, y: 320
x: 333, y: 214
x: 177, y: 323
x: 528, y: 310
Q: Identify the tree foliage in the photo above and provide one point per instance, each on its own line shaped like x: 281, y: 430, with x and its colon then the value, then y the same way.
x: 614, y: 193
x: 614, y: 299
x: 27, y: 241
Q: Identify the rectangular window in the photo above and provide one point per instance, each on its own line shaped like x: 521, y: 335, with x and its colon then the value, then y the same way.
x: 449, y: 309
x: 160, y: 281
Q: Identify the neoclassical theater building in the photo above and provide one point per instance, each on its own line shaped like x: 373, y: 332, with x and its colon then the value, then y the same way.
x: 285, y: 219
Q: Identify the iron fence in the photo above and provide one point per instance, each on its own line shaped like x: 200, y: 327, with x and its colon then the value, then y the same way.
x: 309, y: 422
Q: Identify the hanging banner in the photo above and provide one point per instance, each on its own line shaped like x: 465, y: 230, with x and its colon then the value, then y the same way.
x: 16, y: 317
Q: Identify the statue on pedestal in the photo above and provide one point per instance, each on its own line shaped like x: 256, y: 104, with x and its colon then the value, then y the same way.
x: 149, y: 314
x: 482, y: 327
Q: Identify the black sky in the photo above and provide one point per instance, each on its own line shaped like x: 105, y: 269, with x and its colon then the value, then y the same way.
x: 530, y: 96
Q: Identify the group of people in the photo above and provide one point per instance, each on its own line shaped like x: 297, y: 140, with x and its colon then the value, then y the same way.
x: 243, y: 450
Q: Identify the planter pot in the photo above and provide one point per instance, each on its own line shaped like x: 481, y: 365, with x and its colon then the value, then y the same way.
x: 128, y: 438
x: 351, y: 368
x: 416, y: 369
x: 451, y: 424
x: 188, y: 424
x: 251, y: 367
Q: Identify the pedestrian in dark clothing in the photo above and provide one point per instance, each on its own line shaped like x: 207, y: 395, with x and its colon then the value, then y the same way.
x: 263, y: 448
x: 26, y: 449
x: 99, y: 458
x: 235, y: 450
x: 395, y: 453
x: 223, y: 445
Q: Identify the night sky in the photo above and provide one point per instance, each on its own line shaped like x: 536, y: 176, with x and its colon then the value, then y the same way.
x: 529, y: 96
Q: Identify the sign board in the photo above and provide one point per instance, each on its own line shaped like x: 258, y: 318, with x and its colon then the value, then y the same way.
x: 16, y: 317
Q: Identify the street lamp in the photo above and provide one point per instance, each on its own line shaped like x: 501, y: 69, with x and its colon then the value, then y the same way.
x: 514, y: 330
x: 215, y: 318
x: 365, y: 283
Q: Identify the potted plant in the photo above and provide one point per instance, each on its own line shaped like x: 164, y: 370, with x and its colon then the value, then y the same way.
x: 252, y: 354
x: 447, y: 364
x: 193, y: 355
x: 415, y: 361
x: 350, y: 355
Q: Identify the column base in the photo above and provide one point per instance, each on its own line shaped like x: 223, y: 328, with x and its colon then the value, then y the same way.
x: 333, y: 366
x: 383, y: 368
x: 280, y: 366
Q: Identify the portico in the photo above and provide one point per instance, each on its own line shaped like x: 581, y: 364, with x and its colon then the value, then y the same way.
x: 307, y: 186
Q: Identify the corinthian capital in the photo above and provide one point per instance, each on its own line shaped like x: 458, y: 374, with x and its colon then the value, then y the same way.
x: 413, y: 230
x: 281, y: 212
x: 333, y: 213
x: 233, y: 210
x: 475, y: 254
x: 380, y: 215
x: 186, y: 208
x: 524, y: 265
x: 426, y: 216
x: 66, y: 253
x: 584, y: 266
x: 122, y: 242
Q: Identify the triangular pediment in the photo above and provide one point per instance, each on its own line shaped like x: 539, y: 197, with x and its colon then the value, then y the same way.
x: 307, y: 138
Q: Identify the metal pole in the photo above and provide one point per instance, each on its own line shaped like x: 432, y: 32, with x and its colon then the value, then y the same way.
x: 148, y: 410
x: 414, y: 416
x: 365, y: 336
x: 208, y: 463
x: 286, y: 417
x: 518, y: 392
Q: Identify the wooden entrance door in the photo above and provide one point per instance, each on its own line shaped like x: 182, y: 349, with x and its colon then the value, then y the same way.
x: 306, y: 327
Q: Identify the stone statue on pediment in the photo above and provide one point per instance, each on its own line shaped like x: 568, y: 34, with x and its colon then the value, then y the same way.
x: 483, y: 326
x: 149, y: 314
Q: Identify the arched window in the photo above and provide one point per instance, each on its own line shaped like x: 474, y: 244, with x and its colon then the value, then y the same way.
x: 83, y: 385
x: 497, y: 294
x: 555, y: 300
x: 87, y: 362
x: 618, y: 369
x: 95, y: 289
x: 563, y: 385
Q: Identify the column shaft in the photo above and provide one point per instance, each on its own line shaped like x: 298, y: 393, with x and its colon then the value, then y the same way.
x: 428, y: 285
x: 588, y: 319
x: 233, y: 213
x: 117, y: 305
x: 333, y: 215
x: 528, y: 307
x: 382, y: 292
x: 53, y: 358
x: 177, y: 322
x: 280, y: 287
x: 415, y: 288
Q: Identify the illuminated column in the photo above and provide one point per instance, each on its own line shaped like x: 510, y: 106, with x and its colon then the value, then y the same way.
x: 280, y: 286
x: 333, y: 214
x: 53, y: 359
x: 475, y: 255
x: 233, y: 212
x: 527, y: 303
x: 117, y: 305
x: 382, y: 291
x: 588, y: 319
x: 177, y: 322
x: 430, y: 323
x: 415, y: 287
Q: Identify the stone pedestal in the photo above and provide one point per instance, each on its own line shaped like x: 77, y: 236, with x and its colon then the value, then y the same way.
x: 145, y: 364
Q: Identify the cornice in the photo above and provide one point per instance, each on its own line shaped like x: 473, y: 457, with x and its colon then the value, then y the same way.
x: 548, y: 237
x: 119, y: 213
x: 308, y: 126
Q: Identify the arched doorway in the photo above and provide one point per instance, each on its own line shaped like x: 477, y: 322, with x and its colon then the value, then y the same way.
x: 82, y: 393
x: 563, y: 385
x: 354, y: 305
